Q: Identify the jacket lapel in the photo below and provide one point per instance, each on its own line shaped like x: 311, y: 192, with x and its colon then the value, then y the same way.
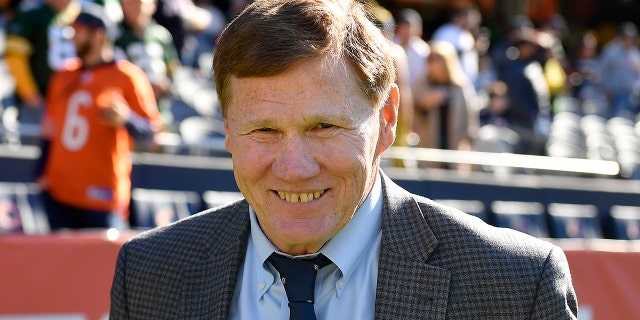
x: 209, y: 283
x: 408, y: 287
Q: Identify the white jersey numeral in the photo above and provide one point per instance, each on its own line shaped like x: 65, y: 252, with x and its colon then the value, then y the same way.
x: 75, y: 130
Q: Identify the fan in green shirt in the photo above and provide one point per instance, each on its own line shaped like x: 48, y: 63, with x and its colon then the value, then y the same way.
x: 150, y: 46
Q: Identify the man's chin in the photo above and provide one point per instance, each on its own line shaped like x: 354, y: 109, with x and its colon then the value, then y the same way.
x: 306, y: 237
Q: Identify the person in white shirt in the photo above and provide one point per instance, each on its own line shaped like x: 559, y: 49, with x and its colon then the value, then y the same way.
x: 459, y: 32
x: 409, y: 36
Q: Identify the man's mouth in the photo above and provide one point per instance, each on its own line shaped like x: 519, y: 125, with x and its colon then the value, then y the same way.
x: 300, y: 197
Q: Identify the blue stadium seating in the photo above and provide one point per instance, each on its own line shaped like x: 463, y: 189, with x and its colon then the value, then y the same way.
x: 152, y: 208
x: 472, y: 207
x: 574, y: 221
x: 527, y: 217
x: 626, y: 222
x: 20, y: 209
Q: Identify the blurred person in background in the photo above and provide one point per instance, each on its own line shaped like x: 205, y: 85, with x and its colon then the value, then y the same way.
x: 495, y: 133
x: 498, y: 104
x: 404, y: 132
x: 181, y: 17
x: 8, y: 9
x: 530, y: 109
x: 584, y: 77
x: 557, y: 30
x: 446, y: 104
x: 487, y: 74
x: 199, y: 42
x: 310, y: 106
x: 149, y: 46
x: 461, y: 32
x: 409, y: 36
x: 37, y: 44
x: 96, y: 108
x: 505, y: 49
x: 554, y: 66
x: 620, y: 71
x: 111, y: 7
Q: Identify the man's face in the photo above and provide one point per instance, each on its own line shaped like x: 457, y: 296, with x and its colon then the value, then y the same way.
x: 403, y: 32
x: 305, y: 147
x: 82, y: 37
x: 628, y: 41
x: 138, y: 13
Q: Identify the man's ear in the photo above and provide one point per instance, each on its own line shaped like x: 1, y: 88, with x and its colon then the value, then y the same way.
x: 391, y: 106
x: 226, y: 135
x: 389, y: 119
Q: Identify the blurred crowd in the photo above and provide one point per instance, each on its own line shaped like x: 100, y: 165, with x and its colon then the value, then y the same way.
x: 164, y: 38
x: 463, y: 87
x: 526, y: 93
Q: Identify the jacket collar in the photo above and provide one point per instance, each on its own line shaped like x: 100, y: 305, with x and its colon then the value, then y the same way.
x: 408, y: 287
x: 209, y: 283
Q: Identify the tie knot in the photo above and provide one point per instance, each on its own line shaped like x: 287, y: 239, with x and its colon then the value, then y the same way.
x: 299, y: 275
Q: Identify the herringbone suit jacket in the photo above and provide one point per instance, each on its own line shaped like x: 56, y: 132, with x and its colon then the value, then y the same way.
x: 435, y: 263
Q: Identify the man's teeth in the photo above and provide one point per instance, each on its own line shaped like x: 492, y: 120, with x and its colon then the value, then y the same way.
x: 300, y: 197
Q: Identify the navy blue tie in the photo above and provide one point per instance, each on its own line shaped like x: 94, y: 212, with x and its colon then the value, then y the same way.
x: 299, y: 277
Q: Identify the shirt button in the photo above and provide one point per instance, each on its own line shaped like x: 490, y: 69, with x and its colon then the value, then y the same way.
x: 340, y: 284
x: 261, y: 286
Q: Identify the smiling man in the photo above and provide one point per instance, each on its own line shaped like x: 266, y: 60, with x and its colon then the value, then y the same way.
x: 309, y: 101
x: 306, y: 146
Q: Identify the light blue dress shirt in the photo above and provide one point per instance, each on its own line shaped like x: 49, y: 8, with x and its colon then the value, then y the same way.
x: 344, y: 290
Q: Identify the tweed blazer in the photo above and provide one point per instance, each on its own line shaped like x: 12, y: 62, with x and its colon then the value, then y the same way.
x: 435, y: 263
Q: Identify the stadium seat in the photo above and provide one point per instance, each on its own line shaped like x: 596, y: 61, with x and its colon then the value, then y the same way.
x: 10, y: 204
x: 492, y: 138
x: 626, y: 222
x: 202, y: 135
x: 472, y: 207
x: 527, y: 217
x: 40, y: 220
x: 214, y: 199
x: 574, y: 221
x: 152, y: 208
x: 566, y: 138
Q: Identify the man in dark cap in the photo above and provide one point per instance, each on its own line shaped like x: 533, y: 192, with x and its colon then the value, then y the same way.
x: 94, y: 105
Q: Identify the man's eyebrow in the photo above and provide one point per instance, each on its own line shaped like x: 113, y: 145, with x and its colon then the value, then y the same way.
x: 341, y: 119
x: 258, y: 122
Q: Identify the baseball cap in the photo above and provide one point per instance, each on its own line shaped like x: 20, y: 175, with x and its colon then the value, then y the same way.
x: 94, y: 16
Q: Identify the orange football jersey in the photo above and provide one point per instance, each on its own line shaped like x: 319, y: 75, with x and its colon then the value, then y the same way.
x: 89, y: 162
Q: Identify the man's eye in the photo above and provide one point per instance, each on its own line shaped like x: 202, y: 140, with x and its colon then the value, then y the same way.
x: 265, y: 129
x: 325, y: 125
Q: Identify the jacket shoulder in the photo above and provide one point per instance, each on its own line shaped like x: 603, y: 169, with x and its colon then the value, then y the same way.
x: 154, y: 267
x: 458, y: 230
x: 497, y: 270
x: 194, y: 237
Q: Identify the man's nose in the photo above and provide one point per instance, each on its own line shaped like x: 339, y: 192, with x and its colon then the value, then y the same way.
x: 296, y: 160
